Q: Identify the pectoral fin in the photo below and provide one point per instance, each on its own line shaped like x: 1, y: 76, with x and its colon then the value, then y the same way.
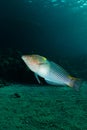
x: 37, y: 78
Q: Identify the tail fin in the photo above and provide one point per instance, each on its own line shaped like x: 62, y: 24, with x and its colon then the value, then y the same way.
x: 76, y: 83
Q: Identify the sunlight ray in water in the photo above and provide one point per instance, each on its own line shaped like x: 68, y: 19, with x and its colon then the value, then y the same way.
x: 75, y: 5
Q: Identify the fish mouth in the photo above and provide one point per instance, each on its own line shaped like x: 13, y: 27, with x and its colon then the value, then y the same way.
x: 23, y: 57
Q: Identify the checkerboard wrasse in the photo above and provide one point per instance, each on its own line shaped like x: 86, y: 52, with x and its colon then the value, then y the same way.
x: 51, y: 72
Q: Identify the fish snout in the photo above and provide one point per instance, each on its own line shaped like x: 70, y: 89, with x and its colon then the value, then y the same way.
x: 23, y: 57
x: 26, y: 58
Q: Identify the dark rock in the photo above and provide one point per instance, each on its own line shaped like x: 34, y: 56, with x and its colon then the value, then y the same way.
x: 15, y: 95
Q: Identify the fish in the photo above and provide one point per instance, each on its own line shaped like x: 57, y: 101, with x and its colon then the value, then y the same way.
x: 52, y: 73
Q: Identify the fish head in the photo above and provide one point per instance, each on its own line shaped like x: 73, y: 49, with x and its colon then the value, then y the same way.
x: 34, y: 61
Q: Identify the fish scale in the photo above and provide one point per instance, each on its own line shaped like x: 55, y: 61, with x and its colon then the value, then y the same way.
x: 57, y: 74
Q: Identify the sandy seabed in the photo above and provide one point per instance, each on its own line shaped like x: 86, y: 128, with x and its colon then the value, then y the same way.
x: 31, y: 107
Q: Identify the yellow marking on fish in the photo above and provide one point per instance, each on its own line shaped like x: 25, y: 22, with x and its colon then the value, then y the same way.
x: 44, y: 58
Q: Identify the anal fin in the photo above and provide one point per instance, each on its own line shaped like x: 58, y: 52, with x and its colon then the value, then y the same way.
x: 50, y: 82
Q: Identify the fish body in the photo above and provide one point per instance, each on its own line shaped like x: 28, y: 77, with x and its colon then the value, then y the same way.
x: 52, y: 73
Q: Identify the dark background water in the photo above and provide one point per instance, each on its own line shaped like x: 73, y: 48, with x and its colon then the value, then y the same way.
x: 38, y: 26
x: 56, y: 29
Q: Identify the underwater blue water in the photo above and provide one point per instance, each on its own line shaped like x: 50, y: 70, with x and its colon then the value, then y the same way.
x: 56, y: 27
